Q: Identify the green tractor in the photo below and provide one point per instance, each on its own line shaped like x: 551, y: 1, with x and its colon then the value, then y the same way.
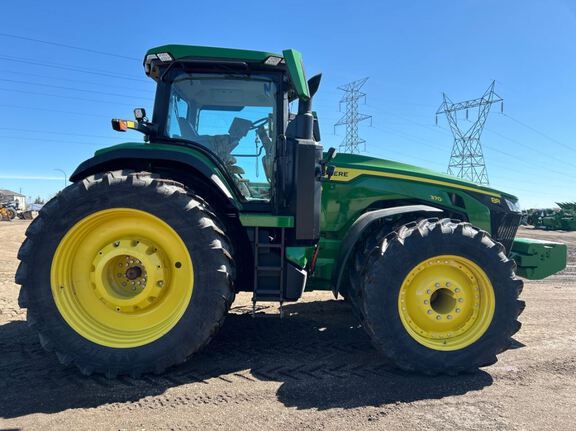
x: 132, y: 268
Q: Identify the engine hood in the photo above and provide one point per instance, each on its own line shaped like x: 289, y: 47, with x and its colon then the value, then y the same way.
x: 351, y: 166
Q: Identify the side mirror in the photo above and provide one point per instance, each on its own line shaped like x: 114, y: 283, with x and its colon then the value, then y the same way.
x: 330, y: 154
x: 140, y: 115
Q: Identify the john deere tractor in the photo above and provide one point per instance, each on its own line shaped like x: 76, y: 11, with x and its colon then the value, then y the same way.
x: 132, y: 268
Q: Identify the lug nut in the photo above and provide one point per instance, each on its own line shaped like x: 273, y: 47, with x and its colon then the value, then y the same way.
x: 428, y: 291
x: 457, y: 290
x: 438, y: 317
x: 429, y: 311
x: 437, y: 285
x: 160, y: 283
x: 449, y: 317
x: 457, y: 310
x: 426, y: 301
x: 447, y: 284
x: 460, y: 299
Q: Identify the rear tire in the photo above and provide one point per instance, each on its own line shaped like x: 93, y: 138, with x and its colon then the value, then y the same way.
x: 115, y: 350
x: 395, y: 295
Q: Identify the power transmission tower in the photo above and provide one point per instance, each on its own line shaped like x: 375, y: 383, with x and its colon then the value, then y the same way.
x: 467, y: 158
x: 351, y: 118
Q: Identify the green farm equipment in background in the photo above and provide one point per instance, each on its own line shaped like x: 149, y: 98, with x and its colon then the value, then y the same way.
x: 554, y: 219
x: 133, y: 267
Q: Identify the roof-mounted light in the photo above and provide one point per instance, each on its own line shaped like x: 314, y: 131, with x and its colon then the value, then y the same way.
x: 273, y: 60
x: 147, y: 62
x: 164, y: 56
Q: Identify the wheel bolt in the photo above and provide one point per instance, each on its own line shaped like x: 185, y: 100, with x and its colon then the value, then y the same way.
x: 437, y: 285
x: 426, y: 301
x: 428, y: 291
x: 457, y: 290
x: 457, y: 310
x: 429, y: 311
x: 447, y: 284
x: 117, y: 243
x: 438, y: 317
x: 460, y: 299
x: 449, y: 317
x: 160, y: 283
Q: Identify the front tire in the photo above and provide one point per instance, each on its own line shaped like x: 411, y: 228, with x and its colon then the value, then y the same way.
x: 438, y: 297
x: 125, y: 273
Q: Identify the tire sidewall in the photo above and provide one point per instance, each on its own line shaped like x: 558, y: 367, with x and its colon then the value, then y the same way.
x: 384, y: 279
x: 206, y: 304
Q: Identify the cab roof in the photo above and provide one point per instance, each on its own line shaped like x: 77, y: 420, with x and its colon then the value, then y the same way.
x: 192, y: 51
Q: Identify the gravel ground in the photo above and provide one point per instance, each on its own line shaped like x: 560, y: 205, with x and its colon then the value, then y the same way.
x: 313, y: 370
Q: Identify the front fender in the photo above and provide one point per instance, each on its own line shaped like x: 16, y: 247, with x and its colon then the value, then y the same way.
x: 359, y: 227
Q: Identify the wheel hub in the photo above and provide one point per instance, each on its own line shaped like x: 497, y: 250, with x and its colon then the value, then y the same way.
x: 446, y: 301
x: 122, y: 277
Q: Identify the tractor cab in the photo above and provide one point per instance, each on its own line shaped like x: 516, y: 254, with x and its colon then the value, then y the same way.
x: 234, y: 106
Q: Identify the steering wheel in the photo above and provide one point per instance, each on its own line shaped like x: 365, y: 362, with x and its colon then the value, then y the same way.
x: 258, y: 123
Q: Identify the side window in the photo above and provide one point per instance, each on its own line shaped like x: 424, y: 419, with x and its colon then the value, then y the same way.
x: 178, y: 112
x: 234, y: 117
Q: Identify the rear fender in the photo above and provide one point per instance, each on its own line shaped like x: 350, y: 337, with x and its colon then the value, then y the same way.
x: 187, y: 162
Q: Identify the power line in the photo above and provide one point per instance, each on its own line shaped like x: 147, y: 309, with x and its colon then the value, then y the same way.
x: 539, y: 132
x: 68, y: 80
x: 352, y: 117
x: 64, y: 97
x: 60, y: 87
x: 14, y: 129
x: 20, y: 138
x: 35, y: 108
x: 69, y: 68
x: 63, y: 45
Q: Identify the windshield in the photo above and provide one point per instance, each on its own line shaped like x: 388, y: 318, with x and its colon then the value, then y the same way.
x: 234, y: 117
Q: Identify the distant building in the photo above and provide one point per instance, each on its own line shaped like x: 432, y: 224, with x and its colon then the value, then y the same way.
x: 10, y: 196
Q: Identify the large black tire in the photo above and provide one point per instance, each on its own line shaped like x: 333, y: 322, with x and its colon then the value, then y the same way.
x: 11, y: 213
x: 186, y: 213
x: 380, y: 267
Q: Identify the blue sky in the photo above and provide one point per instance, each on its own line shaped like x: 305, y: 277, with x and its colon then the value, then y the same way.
x: 56, y: 102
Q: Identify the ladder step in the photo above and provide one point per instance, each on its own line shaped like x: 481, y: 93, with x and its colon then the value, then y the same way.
x: 269, y: 268
x: 269, y: 245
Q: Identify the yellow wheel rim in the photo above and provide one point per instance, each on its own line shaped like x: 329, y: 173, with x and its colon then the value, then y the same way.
x: 122, y: 277
x: 446, y: 302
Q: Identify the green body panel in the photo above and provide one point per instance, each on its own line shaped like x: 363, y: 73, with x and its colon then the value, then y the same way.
x: 142, y: 146
x: 296, y: 70
x: 299, y: 256
x: 538, y: 259
x: 266, y: 220
x: 191, y: 51
x: 345, y: 199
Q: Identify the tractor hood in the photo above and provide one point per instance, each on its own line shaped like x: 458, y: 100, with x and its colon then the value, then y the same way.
x: 351, y: 166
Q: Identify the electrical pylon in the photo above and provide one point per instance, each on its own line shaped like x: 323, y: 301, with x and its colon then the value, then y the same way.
x: 467, y: 158
x: 351, y: 118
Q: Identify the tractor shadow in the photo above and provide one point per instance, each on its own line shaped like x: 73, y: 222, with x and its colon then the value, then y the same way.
x: 318, y: 353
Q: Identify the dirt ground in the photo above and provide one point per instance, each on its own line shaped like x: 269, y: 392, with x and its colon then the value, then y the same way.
x: 313, y: 370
